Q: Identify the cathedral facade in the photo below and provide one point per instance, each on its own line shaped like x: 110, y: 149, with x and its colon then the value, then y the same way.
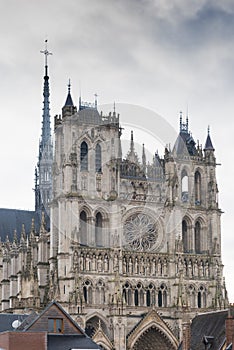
x: 134, y: 248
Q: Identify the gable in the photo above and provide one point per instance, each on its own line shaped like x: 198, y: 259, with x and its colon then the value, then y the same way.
x: 49, y: 316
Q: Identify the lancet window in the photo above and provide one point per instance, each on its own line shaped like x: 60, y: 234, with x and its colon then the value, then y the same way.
x: 98, y: 229
x: 83, y: 156
x: 83, y: 227
x: 197, y: 185
x: 184, y: 186
x: 98, y: 158
x: 197, y: 237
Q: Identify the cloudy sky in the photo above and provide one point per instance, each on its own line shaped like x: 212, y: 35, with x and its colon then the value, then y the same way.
x: 159, y: 54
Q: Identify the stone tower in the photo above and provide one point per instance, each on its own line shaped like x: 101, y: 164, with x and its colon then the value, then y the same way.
x: 129, y: 239
x: 134, y: 246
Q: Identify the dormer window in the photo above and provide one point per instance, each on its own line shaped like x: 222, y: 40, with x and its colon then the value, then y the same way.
x: 55, y: 325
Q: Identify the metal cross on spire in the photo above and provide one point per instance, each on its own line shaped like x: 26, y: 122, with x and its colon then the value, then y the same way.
x: 46, y: 53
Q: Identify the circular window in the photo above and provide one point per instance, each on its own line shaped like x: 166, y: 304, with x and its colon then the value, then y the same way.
x: 142, y: 233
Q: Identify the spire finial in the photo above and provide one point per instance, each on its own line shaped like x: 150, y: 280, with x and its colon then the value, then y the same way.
x: 46, y: 53
x: 96, y: 95
x: 114, y: 106
x: 69, y: 85
x: 180, y: 120
x: 208, y: 129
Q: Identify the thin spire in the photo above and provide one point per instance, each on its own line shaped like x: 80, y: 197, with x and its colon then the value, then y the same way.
x: 132, y: 142
x: 132, y: 156
x: 46, y: 130
x: 208, y: 144
x: 69, y: 101
x: 43, y: 187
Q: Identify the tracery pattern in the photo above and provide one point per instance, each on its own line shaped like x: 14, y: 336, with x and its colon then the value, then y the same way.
x: 141, y: 233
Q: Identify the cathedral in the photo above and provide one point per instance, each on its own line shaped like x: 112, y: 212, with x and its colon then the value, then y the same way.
x: 130, y: 247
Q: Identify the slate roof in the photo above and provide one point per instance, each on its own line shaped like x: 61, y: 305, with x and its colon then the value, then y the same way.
x: 12, y: 219
x: 67, y: 342
x: 208, y: 325
x: 185, y: 144
x: 69, y: 101
x: 209, y: 145
x: 6, y: 321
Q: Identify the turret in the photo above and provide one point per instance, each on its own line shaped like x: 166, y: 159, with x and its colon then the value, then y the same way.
x: 68, y: 108
x: 209, y: 150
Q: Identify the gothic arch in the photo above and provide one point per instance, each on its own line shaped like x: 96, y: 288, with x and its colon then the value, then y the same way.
x: 102, y: 339
x: 198, y: 186
x: 201, y: 296
x: 186, y: 234
x: 200, y: 244
x: 92, y: 324
x: 152, y: 333
x: 88, y: 291
x: 98, y: 158
x: 100, y: 292
x: 184, y: 185
x: 87, y: 209
x: 84, y: 156
x: 150, y: 294
x: 139, y: 292
x: 101, y: 225
x: 128, y: 293
x: 192, y: 292
x: 162, y: 295
x: 102, y: 211
x: 84, y: 227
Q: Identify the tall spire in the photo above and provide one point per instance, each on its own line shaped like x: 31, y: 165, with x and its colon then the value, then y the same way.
x: 43, y: 172
x: 46, y: 130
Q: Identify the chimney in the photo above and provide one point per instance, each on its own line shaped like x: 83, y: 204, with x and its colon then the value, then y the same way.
x: 186, y: 329
x: 229, y: 325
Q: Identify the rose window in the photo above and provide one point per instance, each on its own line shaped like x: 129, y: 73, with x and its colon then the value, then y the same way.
x: 141, y: 233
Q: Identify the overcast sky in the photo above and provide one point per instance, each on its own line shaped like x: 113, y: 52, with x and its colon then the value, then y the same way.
x: 159, y: 54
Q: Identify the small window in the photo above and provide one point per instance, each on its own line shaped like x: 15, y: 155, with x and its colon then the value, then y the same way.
x: 55, y: 325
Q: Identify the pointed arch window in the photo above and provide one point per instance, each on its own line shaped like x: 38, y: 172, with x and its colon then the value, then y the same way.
x: 98, y: 158
x: 98, y: 229
x: 197, y: 184
x: 162, y: 296
x: 83, y: 156
x: 150, y: 295
x: 127, y: 293
x: 185, y: 236
x: 139, y: 295
x: 100, y: 292
x: 87, y: 292
x: 201, y: 297
x: 83, y: 227
x: 197, y: 237
x: 192, y: 296
x: 184, y: 186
